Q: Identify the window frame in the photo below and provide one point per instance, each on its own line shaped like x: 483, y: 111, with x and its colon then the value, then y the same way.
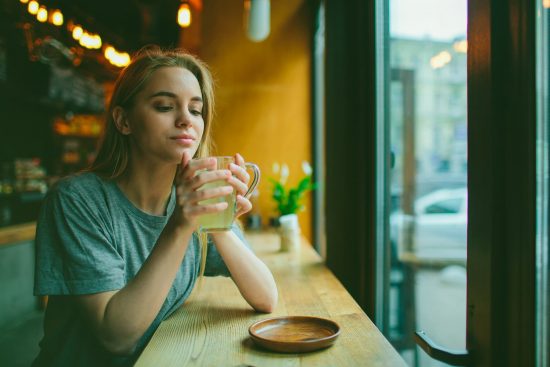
x: 501, y: 182
x: 501, y: 172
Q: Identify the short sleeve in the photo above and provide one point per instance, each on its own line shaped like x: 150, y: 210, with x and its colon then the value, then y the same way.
x: 75, y: 253
x: 214, y: 262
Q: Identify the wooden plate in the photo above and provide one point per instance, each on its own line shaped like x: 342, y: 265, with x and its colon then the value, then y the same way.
x: 294, y: 334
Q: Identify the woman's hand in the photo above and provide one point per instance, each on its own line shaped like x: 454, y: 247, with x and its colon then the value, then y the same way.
x: 239, y: 181
x: 188, y: 194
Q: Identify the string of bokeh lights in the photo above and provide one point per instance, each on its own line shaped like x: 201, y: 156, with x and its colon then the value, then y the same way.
x: 86, y: 39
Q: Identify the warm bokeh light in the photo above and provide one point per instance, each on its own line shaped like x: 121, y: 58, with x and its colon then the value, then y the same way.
x: 184, y: 15
x: 42, y: 14
x: 461, y: 46
x: 57, y: 18
x: 546, y: 3
x: 33, y: 7
x: 109, y: 52
x: 440, y: 60
x: 83, y: 40
x: 90, y: 41
x: 77, y: 32
x: 24, y: 1
x: 96, y: 42
x: 119, y: 59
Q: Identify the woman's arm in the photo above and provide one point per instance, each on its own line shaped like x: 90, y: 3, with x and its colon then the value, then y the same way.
x: 250, y: 274
x: 121, y: 317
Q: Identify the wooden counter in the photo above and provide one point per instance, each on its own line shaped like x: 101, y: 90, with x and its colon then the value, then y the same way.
x: 211, y: 328
x: 17, y: 233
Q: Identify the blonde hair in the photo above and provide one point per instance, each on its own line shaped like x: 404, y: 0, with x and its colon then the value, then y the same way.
x: 113, y: 155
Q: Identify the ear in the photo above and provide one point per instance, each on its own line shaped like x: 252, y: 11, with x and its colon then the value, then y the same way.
x: 121, y: 120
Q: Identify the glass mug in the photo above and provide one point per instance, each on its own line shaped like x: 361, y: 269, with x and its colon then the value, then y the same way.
x: 222, y: 221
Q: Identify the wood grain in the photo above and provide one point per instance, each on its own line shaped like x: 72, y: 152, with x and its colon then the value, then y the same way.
x: 17, y: 233
x: 211, y: 328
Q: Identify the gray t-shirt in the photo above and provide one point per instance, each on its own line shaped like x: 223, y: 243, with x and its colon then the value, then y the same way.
x: 90, y: 238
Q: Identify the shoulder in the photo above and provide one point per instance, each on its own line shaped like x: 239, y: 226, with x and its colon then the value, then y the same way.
x: 82, y: 185
x: 86, y: 191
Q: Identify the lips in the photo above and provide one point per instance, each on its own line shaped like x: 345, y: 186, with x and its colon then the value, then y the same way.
x: 184, y: 139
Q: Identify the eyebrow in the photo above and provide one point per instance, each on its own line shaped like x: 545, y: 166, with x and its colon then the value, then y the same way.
x: 173, y: 95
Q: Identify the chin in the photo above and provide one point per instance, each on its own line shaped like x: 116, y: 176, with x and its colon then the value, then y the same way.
x: 176, y: 158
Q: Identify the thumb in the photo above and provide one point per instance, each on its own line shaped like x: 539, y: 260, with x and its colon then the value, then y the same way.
x: 185, y: 158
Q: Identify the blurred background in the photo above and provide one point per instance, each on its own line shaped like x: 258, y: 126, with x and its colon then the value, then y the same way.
x: 369, y: 98
x: 54, y: 88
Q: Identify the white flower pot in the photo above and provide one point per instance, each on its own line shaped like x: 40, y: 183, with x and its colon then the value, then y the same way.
x: 289, y: 231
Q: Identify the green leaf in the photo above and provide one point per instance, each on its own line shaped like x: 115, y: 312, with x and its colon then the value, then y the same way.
x: 289, y: 202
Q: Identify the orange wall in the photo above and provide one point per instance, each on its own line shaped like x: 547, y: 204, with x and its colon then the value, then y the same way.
x: 263, y: 92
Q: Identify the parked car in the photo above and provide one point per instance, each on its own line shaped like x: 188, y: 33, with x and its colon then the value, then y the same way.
x: 437, y: 228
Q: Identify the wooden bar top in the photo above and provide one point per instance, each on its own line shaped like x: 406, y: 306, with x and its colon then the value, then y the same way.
x: 17, y: 233
x: 211, y: 328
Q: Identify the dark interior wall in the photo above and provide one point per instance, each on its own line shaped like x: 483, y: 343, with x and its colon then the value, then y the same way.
x: 24, y: 120
x: 34, y: 89
x: 24, y: 129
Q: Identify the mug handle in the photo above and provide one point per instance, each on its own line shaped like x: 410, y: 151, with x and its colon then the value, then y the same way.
x: 255, y: 179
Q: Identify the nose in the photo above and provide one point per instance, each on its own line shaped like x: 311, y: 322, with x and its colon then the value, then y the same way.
x: 183, y: 118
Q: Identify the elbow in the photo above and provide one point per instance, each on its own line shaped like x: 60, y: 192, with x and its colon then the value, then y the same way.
x: 268, y: 304
x: 120, y: 347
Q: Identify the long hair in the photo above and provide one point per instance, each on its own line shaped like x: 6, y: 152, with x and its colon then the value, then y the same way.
x: 114, y: 151
x: 113, y: 155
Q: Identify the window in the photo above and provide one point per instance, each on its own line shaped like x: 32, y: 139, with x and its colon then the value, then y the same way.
x: 426, y: 115
x: 400, y: 133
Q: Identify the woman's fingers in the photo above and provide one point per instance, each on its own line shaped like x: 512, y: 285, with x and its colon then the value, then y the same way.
x: 240, y: 182
x: 207, y: 177
x: 196, y: 173
x: 193, y: 165
x: 188, y: 185
x: 243, y: 204
x: 198, y: 196
x: 239, y: 160
x: 239, y: 172
x: 238, y: 169
x: 197, y: 210
x: 240, y: 187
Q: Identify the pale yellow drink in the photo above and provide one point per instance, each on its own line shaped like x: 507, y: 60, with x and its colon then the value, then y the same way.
x: 222, y: 221
x: 218, y: 221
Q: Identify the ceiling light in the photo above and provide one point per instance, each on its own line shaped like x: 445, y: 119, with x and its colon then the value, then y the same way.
x: 56, y: 18
x: 42, y: 14
x: 257, y: 19
x: 33, y: 7
x: 184, y: 15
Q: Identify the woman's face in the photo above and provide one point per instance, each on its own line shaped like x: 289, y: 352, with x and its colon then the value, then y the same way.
x: 166, y: 117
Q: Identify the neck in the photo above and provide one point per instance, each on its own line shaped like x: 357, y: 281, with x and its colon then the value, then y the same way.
x: 148, y: 186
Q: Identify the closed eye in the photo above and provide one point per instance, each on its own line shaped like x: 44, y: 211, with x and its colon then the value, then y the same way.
x: 164, y: 108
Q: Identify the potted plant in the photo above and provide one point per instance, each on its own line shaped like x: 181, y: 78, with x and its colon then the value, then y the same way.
x: 289, y: 201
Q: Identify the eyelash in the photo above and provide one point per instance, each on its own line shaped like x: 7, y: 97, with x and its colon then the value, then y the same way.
x: 164, y: 108
x: 161, y: 108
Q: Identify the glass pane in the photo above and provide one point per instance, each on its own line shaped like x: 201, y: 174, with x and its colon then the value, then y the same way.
x: 543, y: 97
x: 426, y: 112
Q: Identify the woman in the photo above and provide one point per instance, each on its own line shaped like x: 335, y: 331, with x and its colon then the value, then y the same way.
x: 117, y: 249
